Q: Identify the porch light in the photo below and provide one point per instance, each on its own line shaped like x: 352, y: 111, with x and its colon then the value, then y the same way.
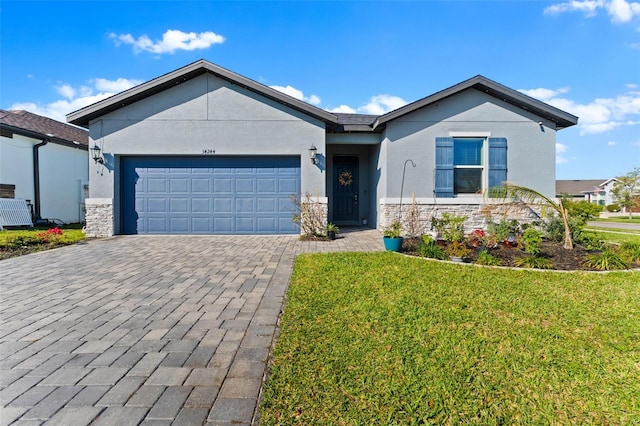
x: 312, y: 154
x: 96, y: 155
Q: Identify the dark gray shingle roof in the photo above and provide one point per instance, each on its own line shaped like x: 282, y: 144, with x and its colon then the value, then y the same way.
x: 576, y: 186
x: 43, y: 126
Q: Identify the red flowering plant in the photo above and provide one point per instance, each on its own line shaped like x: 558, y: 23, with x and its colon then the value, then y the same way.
x: 50, y: 235
x: 479, y: 238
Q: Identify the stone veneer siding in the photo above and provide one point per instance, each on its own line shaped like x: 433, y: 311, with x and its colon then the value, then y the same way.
x: 99, y: 217
x: 416, y: 220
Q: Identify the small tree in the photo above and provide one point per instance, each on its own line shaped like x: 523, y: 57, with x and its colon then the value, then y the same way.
x: 531, y: 196
x: 626, y: 190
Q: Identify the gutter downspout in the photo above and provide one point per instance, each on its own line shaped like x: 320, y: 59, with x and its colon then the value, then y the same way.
x: 36, y: 178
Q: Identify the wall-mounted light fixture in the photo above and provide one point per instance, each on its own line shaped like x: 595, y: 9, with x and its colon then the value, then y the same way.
x: 97, y: 155
x: 312, y: 154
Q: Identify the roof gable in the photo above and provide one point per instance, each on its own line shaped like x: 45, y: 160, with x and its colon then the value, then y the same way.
x: 561, y: 118
x: 37, y: 126
x: 83, y: 116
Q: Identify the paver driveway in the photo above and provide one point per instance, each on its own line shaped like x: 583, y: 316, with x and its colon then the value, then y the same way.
x: 145, y: 330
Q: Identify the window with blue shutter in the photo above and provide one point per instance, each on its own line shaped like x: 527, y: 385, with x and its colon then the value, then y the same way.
x: 497, y: 161
x: 461, y: 167
x: 444, y: 167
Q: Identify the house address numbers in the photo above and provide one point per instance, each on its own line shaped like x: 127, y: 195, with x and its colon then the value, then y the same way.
x: 207, y: 151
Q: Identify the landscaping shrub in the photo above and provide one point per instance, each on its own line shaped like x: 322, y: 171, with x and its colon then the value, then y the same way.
x: 451, y: 226
x: 504, y: 228
x: 487, y: 259
x: 607, y: 260
x: 430, y: 249
x: 613, y: 208
x: 631, y: 250
x: 583, y: 210
x: 531, y: 239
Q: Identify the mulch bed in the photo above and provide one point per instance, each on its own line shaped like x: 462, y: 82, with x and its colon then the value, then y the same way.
x: 561, y: 259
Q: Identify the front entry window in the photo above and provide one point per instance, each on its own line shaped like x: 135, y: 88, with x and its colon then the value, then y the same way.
x: 467, y: 162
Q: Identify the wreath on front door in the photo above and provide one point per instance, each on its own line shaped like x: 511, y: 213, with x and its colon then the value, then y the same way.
x: 345, y: 178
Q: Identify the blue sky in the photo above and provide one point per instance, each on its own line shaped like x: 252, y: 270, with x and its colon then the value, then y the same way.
x: 367, y: 56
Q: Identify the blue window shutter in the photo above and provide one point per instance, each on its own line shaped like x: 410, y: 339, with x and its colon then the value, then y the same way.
x: 444, y: 167
x: 497, y: 161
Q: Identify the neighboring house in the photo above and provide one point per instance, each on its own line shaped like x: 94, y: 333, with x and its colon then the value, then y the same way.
x: 596, y: 191
x: 46, y: 162
x: 204, y: 150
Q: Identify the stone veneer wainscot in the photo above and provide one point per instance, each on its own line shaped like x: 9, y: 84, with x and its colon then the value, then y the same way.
x: 99, y: 217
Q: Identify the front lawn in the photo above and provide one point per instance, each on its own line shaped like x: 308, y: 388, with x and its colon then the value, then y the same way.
x: 380, y: 338
x: 20, y: 242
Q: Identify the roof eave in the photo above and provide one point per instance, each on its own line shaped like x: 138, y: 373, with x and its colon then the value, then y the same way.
x: 41, y: 136
x: 82, y: 117
x: 562, y: 118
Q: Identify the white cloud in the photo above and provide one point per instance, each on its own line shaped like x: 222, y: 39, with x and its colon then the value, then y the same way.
x: 619, y: 11
x: 115, y: 86
x: 343, y: 109
x: 561, y: 149
x: 382, y: 104
x: 298, y: 94
x: 611, y: 143
x: 172, y: 40
x: 589, y: 8
x: 544, y: 94
x: 76, y: 98
x: 67, y: 91
x: 377, y: 105
x: 599, y: 115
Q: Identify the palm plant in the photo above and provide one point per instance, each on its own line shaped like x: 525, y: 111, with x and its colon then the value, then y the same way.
x: 510, y: 191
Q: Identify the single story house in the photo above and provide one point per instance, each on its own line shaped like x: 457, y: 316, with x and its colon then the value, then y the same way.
x: 45, y: 162
x: 204, y: 150
x: 596, y: 191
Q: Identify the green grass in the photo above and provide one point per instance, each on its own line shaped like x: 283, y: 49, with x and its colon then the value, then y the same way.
x: 618, y: 236
x: 19, y: 242
x: 378, y: 338
x: 619, y: 219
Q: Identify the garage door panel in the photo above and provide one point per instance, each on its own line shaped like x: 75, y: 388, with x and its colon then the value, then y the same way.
x: 223, y: 185
x: 244, y: 225
x: 156, y: 205
x: 244, y: 186
x: 266, y: 205
x: 158, y: 225
x: 223, y: 224
x: 267, y: 224
x: 179, y: 225
x: 204, y: 195
x: 156, y: 185
x: 200, y: 185
x: 178, y: 185
x: 201, y: 225
x: 201, y: 205
x: 289, y: 185
x: 266, y: 185
x: 223, y: 205
x: 179, y: 205
x: 245, y: 205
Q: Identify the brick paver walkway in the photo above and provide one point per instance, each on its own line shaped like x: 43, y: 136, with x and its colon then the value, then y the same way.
x: 145, y: 330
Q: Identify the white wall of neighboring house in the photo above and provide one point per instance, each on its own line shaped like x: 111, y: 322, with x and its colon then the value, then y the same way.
x: 63, y: 173
x: 602, y: 196
x: 16, y: 164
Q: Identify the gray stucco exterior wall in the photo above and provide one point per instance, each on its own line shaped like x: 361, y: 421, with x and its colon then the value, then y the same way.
x: 204, y: 113
x: 531, y: 146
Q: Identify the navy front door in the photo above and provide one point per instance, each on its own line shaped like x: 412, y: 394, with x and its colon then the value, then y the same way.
x: 345, y: 189
x: 208, y: 195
